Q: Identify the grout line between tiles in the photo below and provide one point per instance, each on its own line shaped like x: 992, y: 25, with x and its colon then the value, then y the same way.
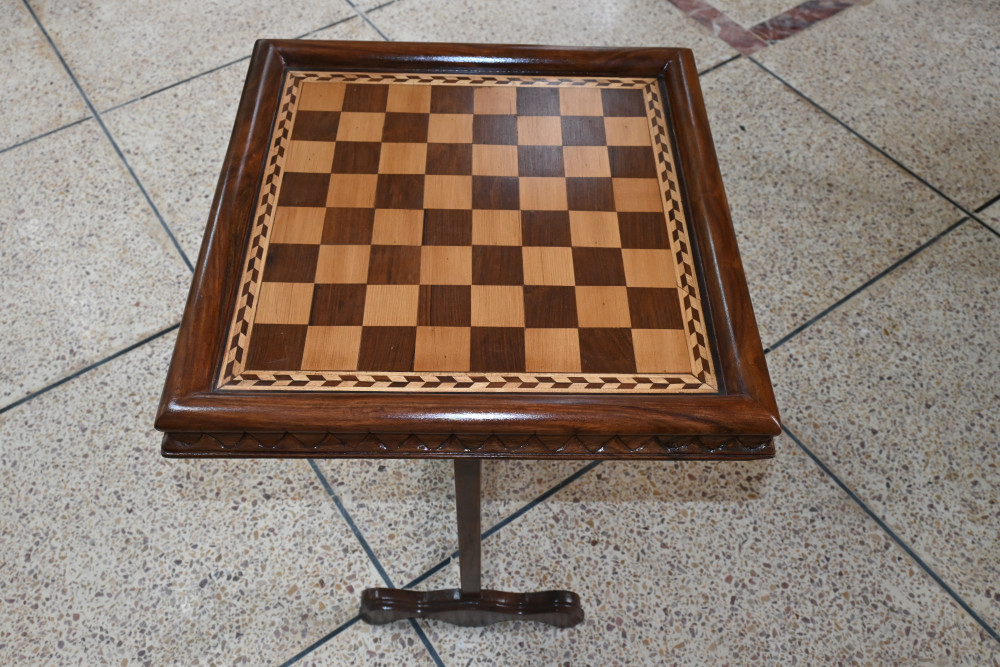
x: 315, y: 645
x: 988, y: 203
x: 107, y: 133
x: 863, y: 138
x: 718, y: 65
x: 371, y: 557
x: 216, y: 69
x: 43, y: 135
x: 865, y: 285
x: 87, y: 369
x: 892, y: 534
x: 360, y: 12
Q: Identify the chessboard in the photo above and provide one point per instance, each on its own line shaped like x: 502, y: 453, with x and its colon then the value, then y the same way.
x: 436, y: 232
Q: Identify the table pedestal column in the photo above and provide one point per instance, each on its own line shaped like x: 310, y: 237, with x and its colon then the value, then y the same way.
x: 470, y: 605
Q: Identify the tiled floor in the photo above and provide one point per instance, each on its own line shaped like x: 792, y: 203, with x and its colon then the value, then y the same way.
x: 859, y: 145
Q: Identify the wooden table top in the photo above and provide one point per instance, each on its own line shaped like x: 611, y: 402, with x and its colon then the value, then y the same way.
x: 432, y: 250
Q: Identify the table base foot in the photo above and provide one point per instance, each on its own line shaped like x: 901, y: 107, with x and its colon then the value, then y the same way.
x: 385, y: 605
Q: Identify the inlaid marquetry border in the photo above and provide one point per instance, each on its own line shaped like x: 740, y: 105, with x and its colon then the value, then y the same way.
x: 233, y: 375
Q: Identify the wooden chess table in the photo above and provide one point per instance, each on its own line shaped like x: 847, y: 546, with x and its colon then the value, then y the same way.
x: 469, y: 252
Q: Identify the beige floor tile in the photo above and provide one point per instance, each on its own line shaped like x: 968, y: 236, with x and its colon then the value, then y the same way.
x: 38, y: 94
x: 88, y: 270
x: 121, y: 51
x: 176, y: 140
x: 817, y: 212
x: 918, y: 79
x: 406, y: 509
x: 749, y: 13
x: 395, y: 644
x: 897, y: 392
x: 590, y: 23
x: 730, y: 563
x: 114, y: 554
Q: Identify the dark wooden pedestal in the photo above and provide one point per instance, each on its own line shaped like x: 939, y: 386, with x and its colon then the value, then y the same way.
x: 470, y: 605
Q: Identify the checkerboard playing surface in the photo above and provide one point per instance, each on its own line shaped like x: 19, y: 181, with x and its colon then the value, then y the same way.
x: 461, y: 233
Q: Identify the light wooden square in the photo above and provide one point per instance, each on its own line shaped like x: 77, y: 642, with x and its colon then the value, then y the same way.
x: 548, y: 266
x: 661, y: 351
x: 442, y: 349
x: 446, y: 265
x: 649, y: 268
x: 310, y: 156
x: 551, y: 350
x: 409, y: 158
x: 496, y: 227
x: 594, y: 229
x: 497, y: 306
x: 602, y: 307
x: 352, y: 191
x: 398, y: 227
x: 391, y: 305
x: 321, y: 96
x: 284, y: 303
x: 587, y: 161
x: 450, y: 128
x: 298, y: 224
x: 637, y: 194
x: 491, y: 160
x: 331, y: 348
x: 543, y: 194
x: 495, y: 100
x: 448, y: 192
x: 580, y: 102
x: 360, y: 126
x: 630, y: 131
x: 343, y: 264
x: 414, y: 98
x: 539, y: 130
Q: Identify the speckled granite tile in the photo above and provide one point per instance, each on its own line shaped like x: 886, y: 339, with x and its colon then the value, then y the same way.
x: 406, y: 508
x: 589, y: 23
x: 176, y: 140
x: 119, y: 51
x: 32, y: 79
x: 749, y: 13
x: 919, y: 80
x: 817, y: 212
x: 897, y: 392
x: 762, y: 562
x: 86, y: 268
x: 991, y: 216
x: 115, y: 555
x: 363, y: 644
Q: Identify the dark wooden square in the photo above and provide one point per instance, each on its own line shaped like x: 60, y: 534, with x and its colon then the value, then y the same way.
x: 337, y: 305
x: 590, y: 194
x: 356, y: 157
x: 387, y: 348
x: 447, y: 227
x: 537, y: 102
x: 394, y: 265
x: 497, y: 265
x: 598, y: 266
x: 276, y: 345
x: 623, y: 103
x: 400, y: 191
x: 348, y: 226
x: 495, y: 192
x: 405, y: 128
x: 583, y: 131
x: 449, y: 159
x: 316, y: 126
x: 606, y: 351
x: 654, y: 308
x: 291, y: 263
x: 643, y: 231
x: 540, y: 161
x: 360, y: 97
x: 445, y: 306
x: 497, y: 349
x: 494, y: 129
x: 632, y: 161
x: 304, y: 189
x: 451, y: 99
x: 549, y: 306
x: 545, y: 228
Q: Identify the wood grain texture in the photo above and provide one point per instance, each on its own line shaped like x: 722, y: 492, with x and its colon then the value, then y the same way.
x: 193, y: 405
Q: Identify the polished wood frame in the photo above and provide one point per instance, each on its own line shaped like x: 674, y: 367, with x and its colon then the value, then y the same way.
x: 202, y: 420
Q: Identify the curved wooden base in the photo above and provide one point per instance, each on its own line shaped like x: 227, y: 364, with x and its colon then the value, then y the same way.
x: 385, y: 605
